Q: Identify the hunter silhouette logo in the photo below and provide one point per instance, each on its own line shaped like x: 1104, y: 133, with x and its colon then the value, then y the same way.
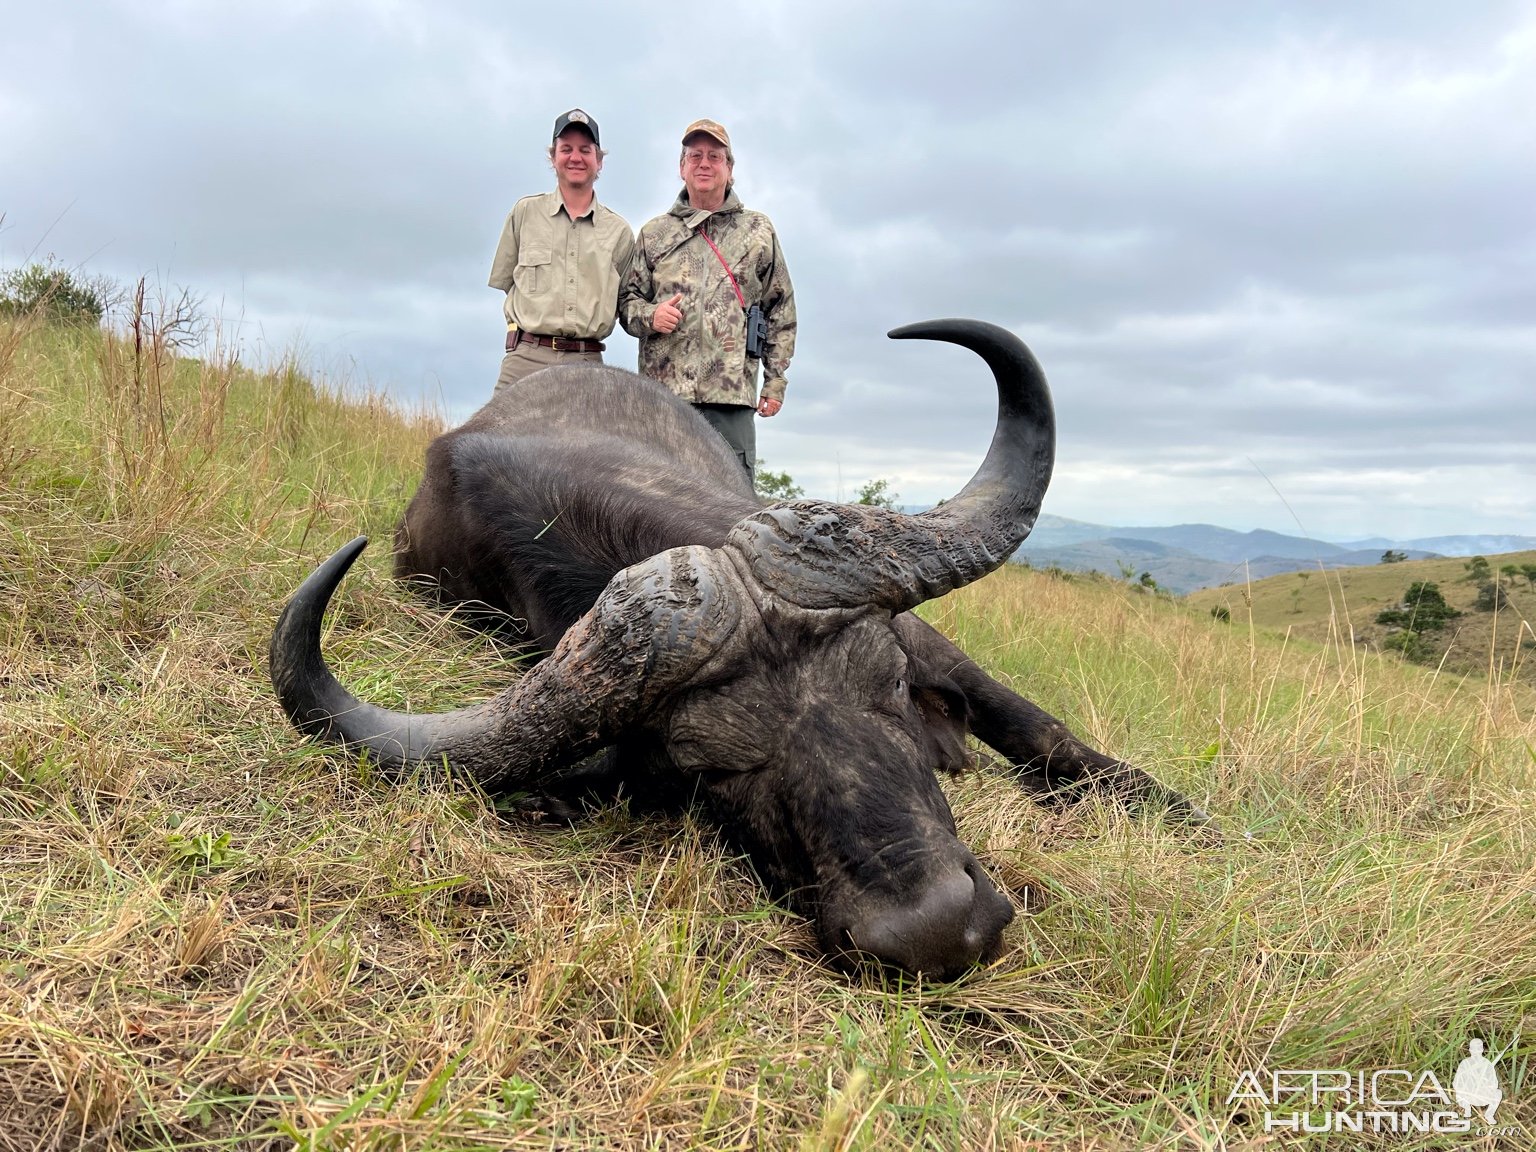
x: 1477, y: 1084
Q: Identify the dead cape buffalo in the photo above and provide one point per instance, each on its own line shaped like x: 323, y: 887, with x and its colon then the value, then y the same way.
x: 762, y: 659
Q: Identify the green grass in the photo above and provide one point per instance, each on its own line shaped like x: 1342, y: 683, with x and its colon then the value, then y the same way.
x: 214, y: 935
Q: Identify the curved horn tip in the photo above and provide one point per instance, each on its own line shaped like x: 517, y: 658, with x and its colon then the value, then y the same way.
x: 353, y: 548
x: 955, y: 330
x: 345, y: 556
x: 318, y: 586
x: 920, y: 329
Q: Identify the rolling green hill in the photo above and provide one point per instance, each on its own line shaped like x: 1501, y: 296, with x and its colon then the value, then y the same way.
x: 1340, y: 606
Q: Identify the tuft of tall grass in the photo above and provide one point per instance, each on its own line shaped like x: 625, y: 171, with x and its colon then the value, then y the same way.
x: 214, y: 935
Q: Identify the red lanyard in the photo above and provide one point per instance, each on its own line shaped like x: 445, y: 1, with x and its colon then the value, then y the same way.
x: 742, y: 299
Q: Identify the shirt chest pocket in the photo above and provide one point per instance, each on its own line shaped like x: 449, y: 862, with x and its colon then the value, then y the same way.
x: 532, y: 273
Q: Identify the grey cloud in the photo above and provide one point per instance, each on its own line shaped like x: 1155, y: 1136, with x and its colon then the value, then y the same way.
x: 1284, y: 243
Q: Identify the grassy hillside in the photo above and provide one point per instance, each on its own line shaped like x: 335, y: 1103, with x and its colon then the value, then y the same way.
x: 214, y: 935
x: 1342, y: 606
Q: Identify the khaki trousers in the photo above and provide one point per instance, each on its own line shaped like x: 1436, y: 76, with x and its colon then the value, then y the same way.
x: 529, y: 357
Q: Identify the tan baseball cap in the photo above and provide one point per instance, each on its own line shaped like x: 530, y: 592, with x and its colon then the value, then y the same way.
x: 709, y: 128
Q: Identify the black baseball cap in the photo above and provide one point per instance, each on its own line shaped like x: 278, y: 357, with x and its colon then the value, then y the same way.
x: 579, y: 118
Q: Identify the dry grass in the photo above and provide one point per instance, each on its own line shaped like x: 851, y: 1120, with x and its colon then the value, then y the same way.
x: 215, y: 936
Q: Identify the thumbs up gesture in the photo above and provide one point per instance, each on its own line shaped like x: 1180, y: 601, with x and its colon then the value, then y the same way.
x: 668, y: 315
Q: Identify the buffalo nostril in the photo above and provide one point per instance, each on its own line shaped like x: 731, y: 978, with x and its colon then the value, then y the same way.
x: 949, y: 926
x: 991, y: 912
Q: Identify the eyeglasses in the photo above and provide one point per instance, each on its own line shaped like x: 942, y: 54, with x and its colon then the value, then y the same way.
x: 713, y: 155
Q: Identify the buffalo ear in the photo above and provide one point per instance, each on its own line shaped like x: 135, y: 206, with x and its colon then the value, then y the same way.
x: 945, y: 725
x: 943, y: 703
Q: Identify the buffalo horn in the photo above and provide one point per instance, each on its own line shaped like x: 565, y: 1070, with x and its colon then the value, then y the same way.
x: 823, y: 555
x: 655, y: 626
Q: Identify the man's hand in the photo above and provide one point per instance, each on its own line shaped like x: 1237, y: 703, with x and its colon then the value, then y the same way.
x: 768, y: 406
x: 668, y: 315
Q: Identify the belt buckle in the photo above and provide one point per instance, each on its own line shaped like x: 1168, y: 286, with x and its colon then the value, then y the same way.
x: 554, y: 342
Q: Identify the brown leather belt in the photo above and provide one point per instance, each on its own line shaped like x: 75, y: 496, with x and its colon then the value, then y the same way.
x: 558, y: 343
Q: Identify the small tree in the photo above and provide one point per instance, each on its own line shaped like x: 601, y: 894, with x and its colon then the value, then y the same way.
x: 879, y: 494
x: 1477, y: 569
x: 47, y: 289
x: 1490, y: 597
x: 1393, y: 557
x: 776, y: 485
x: 1423, y: 609
x: 1529, y: 572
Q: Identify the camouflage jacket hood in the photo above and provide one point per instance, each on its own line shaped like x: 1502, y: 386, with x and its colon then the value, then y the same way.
x: 705, y: 360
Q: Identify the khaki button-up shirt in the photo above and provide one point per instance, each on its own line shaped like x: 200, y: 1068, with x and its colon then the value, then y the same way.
x: 562, y: 276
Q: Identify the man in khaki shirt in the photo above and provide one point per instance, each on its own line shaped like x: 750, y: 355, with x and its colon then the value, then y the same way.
x: 561, y: 261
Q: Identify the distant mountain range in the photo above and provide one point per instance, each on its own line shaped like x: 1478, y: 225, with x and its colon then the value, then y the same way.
x: 1184, y: 557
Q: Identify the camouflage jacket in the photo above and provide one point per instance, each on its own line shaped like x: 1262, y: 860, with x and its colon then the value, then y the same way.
x: 705, y: 360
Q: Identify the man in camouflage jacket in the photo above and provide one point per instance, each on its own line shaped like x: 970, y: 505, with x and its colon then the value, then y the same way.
x: 696, y: 271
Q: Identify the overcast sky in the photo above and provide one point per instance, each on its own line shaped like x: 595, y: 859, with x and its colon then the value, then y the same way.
x: 1277, y: 259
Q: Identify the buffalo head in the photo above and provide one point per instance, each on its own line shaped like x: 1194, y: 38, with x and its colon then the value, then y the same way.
x: 776, y: 670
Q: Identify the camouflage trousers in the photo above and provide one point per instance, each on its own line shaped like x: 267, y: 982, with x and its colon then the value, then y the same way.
x: 526, y: 359
x: 736, y: 425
